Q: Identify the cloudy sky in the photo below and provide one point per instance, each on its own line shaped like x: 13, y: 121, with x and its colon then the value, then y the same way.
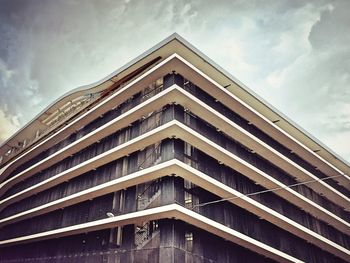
x: 295, y: 54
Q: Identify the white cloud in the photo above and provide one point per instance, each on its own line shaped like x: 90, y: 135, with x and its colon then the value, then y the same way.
x: 293, y: 53
x: 9, y: 124
x: 5, y: 73
x: 313, y: 88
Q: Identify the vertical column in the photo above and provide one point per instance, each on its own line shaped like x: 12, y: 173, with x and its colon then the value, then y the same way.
x: 172, y: 190
x: 171, y: 79
x: 172, y: 241
x: 166, y: 248
x: 167, y: 150
x: 130, y: 200
x: 128, y: 243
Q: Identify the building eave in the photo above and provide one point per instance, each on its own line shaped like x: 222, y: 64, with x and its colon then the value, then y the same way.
x: 175, y: 43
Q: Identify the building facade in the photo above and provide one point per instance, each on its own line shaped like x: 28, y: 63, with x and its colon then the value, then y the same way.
x: 170, y: 159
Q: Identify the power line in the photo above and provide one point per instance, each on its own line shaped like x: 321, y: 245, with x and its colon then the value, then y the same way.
x: 265, y: 191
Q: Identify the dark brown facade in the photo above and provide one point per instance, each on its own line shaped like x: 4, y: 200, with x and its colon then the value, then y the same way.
x: 166, y: 168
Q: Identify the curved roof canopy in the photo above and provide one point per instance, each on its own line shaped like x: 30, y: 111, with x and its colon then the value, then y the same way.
x: 79, y: 98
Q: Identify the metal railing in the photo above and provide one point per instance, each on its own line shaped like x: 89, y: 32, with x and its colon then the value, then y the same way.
x: 145, y: 233
x: 148, y: 195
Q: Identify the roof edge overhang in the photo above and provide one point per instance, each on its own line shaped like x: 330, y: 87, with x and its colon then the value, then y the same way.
x: 176, y: 44
x: 98, y: 86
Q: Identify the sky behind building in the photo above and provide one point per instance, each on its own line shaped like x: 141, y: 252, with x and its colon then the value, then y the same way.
x: 295, y: 54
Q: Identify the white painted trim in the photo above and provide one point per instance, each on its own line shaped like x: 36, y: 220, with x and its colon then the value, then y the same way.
x: 299, y: 172
x: 200, y: 179
x: 162, y: 131
x: 266, y: 120
x: 151, y: 173
x: 325, y: 189
x: 116, y: 95
x: 254, y: 173
x: 167, y: 211
x: 261, y: 210
x: 92, y: 136
x: 187, y: 134
x: 176, y: 43
x: 272, y: 155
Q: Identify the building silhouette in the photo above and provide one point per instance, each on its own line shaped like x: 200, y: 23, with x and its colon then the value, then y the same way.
x: 170, y: 159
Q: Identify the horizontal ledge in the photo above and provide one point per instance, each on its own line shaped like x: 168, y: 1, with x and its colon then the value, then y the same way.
x: 128, y: 90
x: 164, y: 131
x: 244, y: 109
x: 199, y: 178
x: 122, y: 121
x: 187, y: 134
x: 212, y: 116
x: 224, y: 92
x: 168, y: 211
x: 138, y: 177
x: 208, y: 114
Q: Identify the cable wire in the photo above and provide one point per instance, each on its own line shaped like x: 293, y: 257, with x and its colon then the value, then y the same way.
x: 265, y: 191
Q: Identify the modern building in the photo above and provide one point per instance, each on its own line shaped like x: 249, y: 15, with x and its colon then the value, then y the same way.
x: 170, y: 159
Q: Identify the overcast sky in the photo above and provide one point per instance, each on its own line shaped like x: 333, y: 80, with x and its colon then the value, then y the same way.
x: 295, y: 54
